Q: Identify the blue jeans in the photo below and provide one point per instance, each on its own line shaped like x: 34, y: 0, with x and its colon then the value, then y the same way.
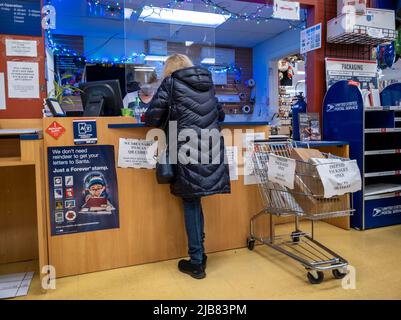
x: 194, y: 225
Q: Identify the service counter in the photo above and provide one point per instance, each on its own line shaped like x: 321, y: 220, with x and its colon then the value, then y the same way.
x: 151, y: 219
x: 151, y: 225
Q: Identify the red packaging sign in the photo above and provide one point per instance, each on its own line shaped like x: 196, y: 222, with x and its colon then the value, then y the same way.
x: 55, y: 130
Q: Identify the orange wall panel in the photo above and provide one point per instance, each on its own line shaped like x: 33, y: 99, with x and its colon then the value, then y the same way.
x: 23, y: 108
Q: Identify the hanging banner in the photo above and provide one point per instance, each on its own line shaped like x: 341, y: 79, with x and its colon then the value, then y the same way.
x: 311, y: 38
x: 82, y: 189
x: 360, y: 71
x: 287, y: 10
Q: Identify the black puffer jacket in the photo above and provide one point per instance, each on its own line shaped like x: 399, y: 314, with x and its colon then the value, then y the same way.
x: 194, y: 106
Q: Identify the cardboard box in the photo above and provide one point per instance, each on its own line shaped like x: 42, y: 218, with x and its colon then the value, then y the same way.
x: 308, y: 173
x: 351, y: 6
x: 372, y: 22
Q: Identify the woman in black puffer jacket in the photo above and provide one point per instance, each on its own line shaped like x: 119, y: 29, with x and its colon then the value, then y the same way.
x: 193, y: 106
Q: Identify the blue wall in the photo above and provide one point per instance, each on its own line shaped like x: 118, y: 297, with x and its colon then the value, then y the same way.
x: 273, y: 49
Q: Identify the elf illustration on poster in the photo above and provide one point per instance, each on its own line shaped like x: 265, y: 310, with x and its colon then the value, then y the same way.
x: 95, y: 195
x: 83, y: 187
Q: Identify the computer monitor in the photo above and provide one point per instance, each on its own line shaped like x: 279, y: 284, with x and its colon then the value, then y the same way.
x: 101, y: 98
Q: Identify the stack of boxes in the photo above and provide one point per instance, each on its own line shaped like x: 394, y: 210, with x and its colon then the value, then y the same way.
x: 355, y: 17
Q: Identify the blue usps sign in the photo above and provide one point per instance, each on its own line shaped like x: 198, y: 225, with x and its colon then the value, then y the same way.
x: 85, y: 131
x: 22, y: 17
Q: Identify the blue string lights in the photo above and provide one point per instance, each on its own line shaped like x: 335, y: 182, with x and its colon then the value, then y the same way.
x: 116, y: 9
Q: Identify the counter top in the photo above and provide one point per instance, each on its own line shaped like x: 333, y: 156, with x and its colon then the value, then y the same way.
x: 316, y: 144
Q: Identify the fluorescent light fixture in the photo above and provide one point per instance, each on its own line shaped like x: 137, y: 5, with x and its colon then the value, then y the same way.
x: 182, y: 17
x: 301, y: 72
x: 189, y: 43
x: 156, y: 58
x: 208, y: 61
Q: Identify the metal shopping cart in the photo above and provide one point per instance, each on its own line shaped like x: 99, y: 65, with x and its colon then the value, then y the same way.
x: 305, y: 201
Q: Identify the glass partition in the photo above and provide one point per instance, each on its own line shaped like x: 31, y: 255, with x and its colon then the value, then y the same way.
x: 130, y: 40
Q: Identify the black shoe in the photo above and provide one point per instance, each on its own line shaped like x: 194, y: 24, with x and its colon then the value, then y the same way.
x: 204, y: 260
x: 194, y: 270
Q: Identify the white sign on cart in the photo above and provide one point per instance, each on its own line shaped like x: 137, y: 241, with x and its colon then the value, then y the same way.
x: 281, y: 171
x: 338, y: 177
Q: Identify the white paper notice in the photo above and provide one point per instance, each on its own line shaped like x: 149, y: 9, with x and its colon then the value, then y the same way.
x: 340, y: 177
x: 21, y: 48
x: 287, y: 10
x: 282, y: 171
x: 23, y: 79
x: 2, y: 92
x: 249, y: 138
x: 134, y: 153
x: 249, y: 174
x: 232, y: 157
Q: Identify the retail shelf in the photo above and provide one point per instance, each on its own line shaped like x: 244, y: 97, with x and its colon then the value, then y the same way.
x: 381, y: 152
x: 383, y: 174
x: 363, y: 35
x: 383, y: 196
x: 382, y: 130
x: 384, y: 108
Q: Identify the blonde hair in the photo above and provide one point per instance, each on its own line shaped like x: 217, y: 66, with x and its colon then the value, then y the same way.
x: 176, y: 62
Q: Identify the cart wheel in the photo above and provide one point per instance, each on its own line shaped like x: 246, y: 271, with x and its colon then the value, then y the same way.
x: 318, y: 280
x: 338, y: 274
x: 295, y: 238
x: 251, y: 244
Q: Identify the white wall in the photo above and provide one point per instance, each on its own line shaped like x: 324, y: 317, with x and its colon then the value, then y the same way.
x: 264, y: 54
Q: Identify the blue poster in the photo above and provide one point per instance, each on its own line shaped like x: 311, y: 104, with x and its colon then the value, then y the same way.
x: 82, y: 189
x: 21, y: 17
x: 85, y: 131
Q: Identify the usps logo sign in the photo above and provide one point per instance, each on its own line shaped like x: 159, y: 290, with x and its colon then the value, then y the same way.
x: 85, y: 132
x: 55, y: 130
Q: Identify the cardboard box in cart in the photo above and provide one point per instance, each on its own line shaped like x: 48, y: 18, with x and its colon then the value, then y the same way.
x: 309, y: 189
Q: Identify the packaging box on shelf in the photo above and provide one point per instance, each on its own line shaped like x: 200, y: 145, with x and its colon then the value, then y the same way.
x: 371, y: 23
x: 351, y: 6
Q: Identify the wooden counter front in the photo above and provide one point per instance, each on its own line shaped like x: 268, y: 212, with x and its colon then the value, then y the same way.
x: 151, y: 219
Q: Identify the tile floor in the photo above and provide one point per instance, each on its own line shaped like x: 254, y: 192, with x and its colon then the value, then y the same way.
x: 242, y: 274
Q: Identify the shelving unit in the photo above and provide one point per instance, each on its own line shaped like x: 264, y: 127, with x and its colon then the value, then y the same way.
x: 375, y: 142
x: 349, y: 28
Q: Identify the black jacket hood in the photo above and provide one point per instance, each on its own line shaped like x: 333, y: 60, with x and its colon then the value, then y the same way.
x: 196, y: 77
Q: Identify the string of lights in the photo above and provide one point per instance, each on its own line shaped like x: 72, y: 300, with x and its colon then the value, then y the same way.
x: 115, y: 8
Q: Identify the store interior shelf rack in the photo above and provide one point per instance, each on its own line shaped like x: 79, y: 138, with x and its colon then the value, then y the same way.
x: 374, y: 136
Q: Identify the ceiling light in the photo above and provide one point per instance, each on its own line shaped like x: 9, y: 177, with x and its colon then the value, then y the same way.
x: 182, y: 17
x: 156, y: 58
x: 208, y: 61
x: 301, y: 72
x: 189, y: 43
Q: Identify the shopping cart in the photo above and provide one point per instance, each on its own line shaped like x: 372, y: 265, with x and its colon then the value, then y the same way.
x: 305, y: 201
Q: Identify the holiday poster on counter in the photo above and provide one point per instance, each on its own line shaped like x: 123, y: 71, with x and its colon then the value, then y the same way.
x: 83, y: 189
